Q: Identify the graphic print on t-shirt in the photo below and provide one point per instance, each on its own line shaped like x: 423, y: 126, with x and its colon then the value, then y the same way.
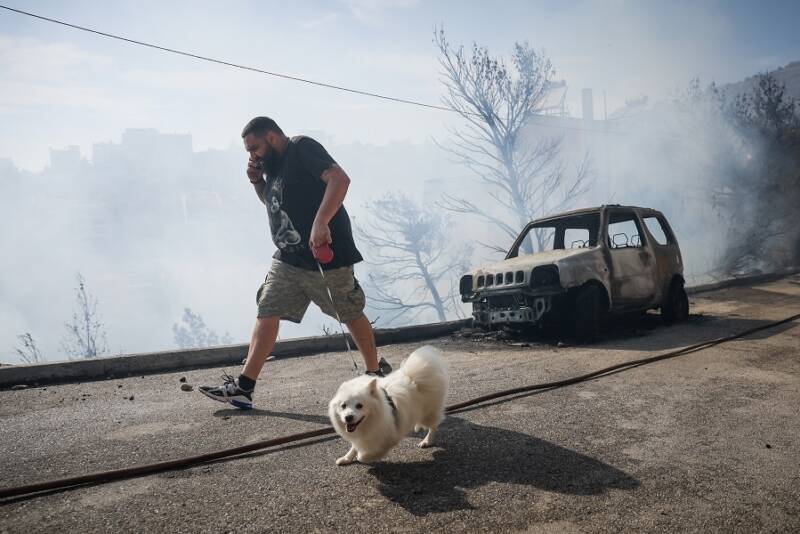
x: 284, y: 234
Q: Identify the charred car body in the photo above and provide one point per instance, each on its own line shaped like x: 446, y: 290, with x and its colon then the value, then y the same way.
x: 576, y: 267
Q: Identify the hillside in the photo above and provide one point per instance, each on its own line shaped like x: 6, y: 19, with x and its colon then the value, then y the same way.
x: 789, y: 75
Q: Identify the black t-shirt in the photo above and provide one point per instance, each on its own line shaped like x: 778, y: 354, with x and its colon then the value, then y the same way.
x: 293, y: 198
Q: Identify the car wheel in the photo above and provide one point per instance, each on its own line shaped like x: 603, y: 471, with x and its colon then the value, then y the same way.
x: 676, y: 304
x: 588, y: 314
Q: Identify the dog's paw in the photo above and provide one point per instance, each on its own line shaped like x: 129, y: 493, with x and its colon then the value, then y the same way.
x: 344, y: 460
x: 425, y: 443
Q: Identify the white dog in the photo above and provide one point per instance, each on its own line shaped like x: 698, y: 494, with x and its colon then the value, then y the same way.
x: 374, y: 414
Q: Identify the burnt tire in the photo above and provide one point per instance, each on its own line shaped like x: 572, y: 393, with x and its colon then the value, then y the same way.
x: 675, y: 307
x: 588, y: 314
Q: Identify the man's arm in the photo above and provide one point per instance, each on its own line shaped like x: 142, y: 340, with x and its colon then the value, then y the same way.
x: 260, y: 187
x: 336, y: 185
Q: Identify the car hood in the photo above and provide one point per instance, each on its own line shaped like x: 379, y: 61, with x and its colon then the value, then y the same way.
x: 535, y: 260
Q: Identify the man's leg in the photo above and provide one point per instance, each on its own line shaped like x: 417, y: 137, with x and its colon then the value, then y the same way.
x: 346, y: 302
x: 239, y: 392
x: 277, y: 297
x: 361, y: 330
x: 265, y: 332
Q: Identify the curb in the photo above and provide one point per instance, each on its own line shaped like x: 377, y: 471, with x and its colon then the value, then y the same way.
x: 742, y: 281
x: 175, y: 360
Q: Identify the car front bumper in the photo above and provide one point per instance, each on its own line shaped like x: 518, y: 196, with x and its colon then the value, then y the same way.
x: 500, y: 309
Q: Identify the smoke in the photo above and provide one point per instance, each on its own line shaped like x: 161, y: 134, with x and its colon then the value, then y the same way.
x: 155, y: 228
x: 692, y: 158
x: 673, y: 160
x: 151, y: 232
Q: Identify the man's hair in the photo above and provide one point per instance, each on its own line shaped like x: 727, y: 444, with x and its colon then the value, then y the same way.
x: 260, y: 126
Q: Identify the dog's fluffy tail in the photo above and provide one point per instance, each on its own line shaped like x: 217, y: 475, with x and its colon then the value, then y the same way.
x: 426, y: 368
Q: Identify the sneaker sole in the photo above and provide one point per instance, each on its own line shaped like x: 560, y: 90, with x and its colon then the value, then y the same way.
x: 242, y: 405
x: 213, y: 397
x: 239, y: 404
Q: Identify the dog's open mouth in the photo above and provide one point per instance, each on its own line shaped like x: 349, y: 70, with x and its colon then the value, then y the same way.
x: 351, y: 427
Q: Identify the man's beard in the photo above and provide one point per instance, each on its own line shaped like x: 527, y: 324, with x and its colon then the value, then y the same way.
x: 272, y: 162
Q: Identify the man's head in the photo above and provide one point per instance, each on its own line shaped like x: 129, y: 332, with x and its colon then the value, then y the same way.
x: 265, y: 140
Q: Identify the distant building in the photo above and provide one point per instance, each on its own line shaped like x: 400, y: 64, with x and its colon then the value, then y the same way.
x: 144, y: 147
x: 67, y: 159
x: 581, y: 136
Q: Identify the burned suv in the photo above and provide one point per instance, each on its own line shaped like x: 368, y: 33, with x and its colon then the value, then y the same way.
x: 575, y: 268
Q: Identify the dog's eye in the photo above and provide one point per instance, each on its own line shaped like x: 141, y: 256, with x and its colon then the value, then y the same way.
x: 344, y: 405
x: 358, y: 406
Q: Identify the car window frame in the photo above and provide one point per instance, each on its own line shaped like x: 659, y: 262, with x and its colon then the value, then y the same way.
x: 662, y: 222
x: 528, y: 227
x: 636, y: 216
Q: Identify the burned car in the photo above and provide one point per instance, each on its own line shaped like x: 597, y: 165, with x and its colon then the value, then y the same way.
x: 575, y: 268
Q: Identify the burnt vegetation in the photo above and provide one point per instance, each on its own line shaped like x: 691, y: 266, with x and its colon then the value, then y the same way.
x: 756, y: 189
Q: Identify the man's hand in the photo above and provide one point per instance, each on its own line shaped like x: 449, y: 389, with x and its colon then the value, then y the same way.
x: 320, y: 235
x: 253, y: 172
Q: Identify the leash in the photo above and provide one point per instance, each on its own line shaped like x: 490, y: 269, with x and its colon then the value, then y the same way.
x: 329, y: 256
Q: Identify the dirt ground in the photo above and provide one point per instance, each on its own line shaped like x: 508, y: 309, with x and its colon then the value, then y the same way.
x: 706, y: 442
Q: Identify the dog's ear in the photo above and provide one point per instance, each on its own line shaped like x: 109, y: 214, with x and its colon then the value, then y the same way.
x: 373, y: 387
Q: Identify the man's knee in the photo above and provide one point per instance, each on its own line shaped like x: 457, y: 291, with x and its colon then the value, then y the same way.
x: 359, y: 320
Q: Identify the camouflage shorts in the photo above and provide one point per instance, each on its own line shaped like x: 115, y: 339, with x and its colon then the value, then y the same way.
x: 288, y: 290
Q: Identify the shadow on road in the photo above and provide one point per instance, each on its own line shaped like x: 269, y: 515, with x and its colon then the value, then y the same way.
x: 648, y: 332
x: 473, y: 455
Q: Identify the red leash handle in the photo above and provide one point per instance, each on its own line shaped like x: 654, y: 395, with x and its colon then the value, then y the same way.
x: 323, y: 253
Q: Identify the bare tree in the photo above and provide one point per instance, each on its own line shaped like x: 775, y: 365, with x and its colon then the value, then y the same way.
x: 526, y: 178
x: 194, y: 333
x: 417, y: 267
x: 29, y: 352
x: 769, y: 110
x: 86, y: 336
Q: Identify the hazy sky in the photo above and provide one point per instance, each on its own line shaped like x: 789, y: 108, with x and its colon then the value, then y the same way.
x: 60, y: 86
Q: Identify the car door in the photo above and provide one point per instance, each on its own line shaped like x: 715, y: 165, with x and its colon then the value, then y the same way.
x: 632, y: 264
x: 665, y: 248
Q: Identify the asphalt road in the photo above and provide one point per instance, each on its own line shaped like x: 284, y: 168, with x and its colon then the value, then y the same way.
x: 706, y: 442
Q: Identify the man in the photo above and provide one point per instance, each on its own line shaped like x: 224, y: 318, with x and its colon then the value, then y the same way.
x: 303, y: 192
